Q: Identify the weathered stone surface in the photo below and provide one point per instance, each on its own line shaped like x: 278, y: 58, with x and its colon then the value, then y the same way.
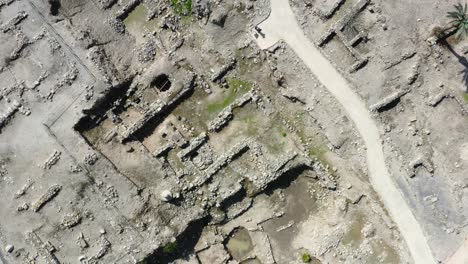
x: 50, y: 193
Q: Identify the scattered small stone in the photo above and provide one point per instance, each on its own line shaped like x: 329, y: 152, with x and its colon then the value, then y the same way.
x: 22, y: 207
x: 71, y: 220
x: 52, y: 160
x: 368, y: 230
x: 91, y: 158
x: 75, y: 168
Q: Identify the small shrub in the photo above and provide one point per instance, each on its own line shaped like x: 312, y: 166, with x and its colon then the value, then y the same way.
x: 306, y: 258
x: 170, y: 248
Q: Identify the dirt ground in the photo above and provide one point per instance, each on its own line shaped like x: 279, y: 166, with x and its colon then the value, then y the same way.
x: 143, y: 131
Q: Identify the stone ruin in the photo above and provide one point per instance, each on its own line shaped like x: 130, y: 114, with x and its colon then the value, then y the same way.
x: 338, y: 30
x: 200, y: 178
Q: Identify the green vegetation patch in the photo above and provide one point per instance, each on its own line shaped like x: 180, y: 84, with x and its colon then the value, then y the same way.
x: 182, y: 7
x: 251, y: 125
x: 170, y: 248
x: 136, y: 22
x: 237, y: 87
x: 282, y: 132
x: 465, y: 96
x: 306, y: 258
x: 244, y: 64
x: 317, y: 152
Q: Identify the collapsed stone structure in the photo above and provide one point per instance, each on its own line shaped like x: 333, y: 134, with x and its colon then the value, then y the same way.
x: 338, y: 29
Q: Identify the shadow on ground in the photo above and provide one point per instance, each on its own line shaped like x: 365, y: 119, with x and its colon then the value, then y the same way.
x: 462, y: 60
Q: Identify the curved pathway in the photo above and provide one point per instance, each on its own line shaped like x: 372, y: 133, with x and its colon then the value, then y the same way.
x: 282, y: 25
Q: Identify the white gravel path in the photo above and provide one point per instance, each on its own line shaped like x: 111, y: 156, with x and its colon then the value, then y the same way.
x: 282, y: 25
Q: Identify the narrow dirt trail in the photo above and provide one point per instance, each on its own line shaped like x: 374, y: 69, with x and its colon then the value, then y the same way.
x: 282, y: 25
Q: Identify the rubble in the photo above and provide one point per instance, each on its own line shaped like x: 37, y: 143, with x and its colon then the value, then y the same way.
x: 343, y: 22
x: 126, y: 9
x: 407, y: 55
x: 226, y: 115
x: 9, y: 113
x: 52, y: 160
x: 201, y: 8
x: 43, y: 250
x: 22, y: 207
x: 91, y: 158
x: 107, y: 3
x: 436, y: 99
x: 193, y: 146
x: 222, y: 161
x: 23, y: 189
x: 162, y: 151
x: 71, y: 220
x: 105, y: 246
x: 50, y: 193
x: 388, y: 100
x: 330, y: 8
x: 145, y: 125
x: 220, y: 73
x: 221, y: 119
x: 22, y: 43
x: 238, y: 208
x: 155, y: 109
x: 13, y: 22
